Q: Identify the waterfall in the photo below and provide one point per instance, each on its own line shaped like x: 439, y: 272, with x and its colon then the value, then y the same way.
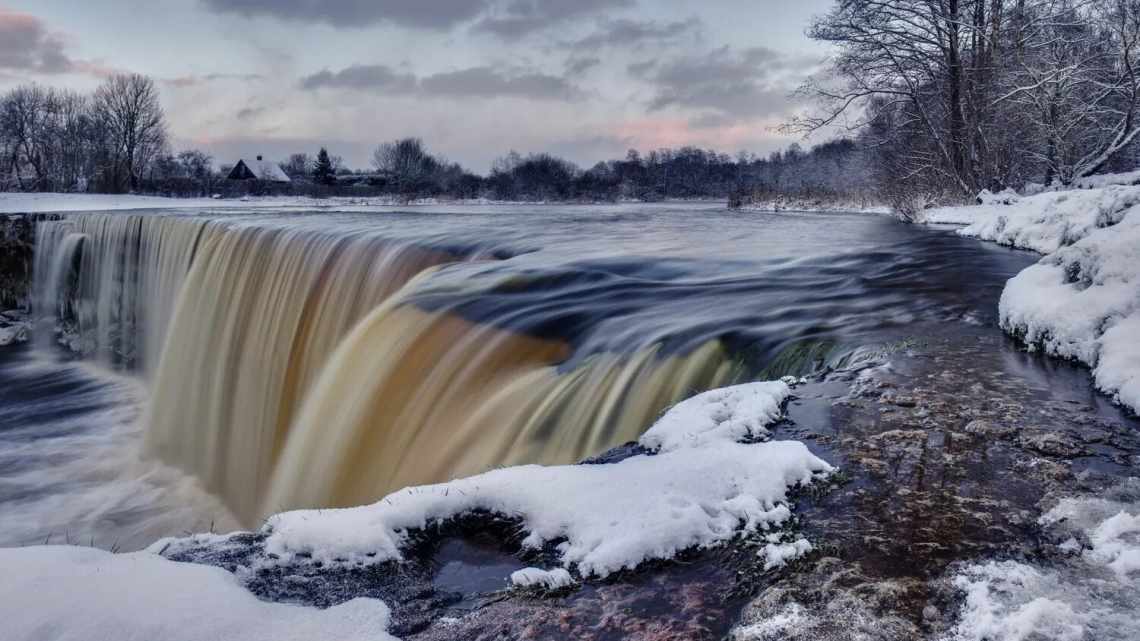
x: 57, y: 248
x: 293, y: 366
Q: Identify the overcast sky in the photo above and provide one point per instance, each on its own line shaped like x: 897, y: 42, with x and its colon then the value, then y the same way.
x: 585, y: 79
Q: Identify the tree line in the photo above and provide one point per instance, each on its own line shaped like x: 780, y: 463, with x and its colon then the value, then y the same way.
x: 406, y: 168
x: 953, y: 96
x: 115, y: 140
x: 60, y: 140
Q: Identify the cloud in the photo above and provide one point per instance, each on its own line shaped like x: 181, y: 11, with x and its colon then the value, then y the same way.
x: 635, y: 34
x: 423, y: 14
x: 362, y: 77
x: 472, y: 82
x: 26, y: 45
x: 725, y: 84
x: 195, y: 80
x: 523, y: 17
x: 249, y: 113
x: 487, y: 82
x: 576, y: 66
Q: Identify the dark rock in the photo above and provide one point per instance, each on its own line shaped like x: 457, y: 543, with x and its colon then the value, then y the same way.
x: 1052, y: 443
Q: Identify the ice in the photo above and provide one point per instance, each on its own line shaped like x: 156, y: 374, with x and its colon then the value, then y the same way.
x: 77, y: 594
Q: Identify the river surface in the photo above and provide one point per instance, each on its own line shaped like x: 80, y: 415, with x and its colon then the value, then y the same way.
x: 224, y: 365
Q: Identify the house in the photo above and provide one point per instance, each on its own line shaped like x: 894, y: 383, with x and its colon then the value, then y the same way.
x: 258, y: 170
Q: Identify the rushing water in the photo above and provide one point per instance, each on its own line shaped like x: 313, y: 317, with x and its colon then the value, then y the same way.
x: 322, y: 359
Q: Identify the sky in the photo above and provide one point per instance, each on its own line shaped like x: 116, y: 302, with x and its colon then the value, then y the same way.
x: 584, y: 79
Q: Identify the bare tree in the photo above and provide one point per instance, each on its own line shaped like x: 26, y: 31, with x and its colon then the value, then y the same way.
x: 406, y: 165
x: 297, y: 165
x: 128, y: 107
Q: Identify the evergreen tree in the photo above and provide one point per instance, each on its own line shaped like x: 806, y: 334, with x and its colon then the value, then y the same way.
x: 323, y: 172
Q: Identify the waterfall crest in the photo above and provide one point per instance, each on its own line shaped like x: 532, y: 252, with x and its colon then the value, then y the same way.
x: 292, y: 367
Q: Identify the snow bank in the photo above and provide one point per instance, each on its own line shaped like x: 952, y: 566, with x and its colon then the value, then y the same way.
x: 701, y: 488
x: 1104, y: 180
x: 1082, y: 301
x: 1094, y: 596
x: 1045, y: 222
x: 72, y: 593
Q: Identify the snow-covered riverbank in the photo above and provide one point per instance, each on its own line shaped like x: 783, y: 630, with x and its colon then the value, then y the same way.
x: 1082, y: 300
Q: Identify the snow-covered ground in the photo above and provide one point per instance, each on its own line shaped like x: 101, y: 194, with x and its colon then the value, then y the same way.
x: 701, y: 487
x: 1082, y: 300
x: 35, y: 203
x: 38, y: 203
x: 71, y: 593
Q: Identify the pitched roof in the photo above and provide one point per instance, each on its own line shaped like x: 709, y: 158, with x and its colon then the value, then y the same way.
x: 259, y: 169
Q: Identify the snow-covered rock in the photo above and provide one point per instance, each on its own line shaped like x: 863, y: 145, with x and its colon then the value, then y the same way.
x: 729, y: 413
x: 555, y: 579
x: 608, y: 517
x: 66, y: 593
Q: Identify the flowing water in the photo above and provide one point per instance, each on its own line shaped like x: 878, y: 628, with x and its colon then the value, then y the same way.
x: 271, y: 360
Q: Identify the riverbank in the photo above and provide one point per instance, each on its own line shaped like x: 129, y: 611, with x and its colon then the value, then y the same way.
x: 1082, y: 300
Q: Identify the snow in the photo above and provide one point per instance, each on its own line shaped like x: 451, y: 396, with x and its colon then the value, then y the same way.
x: 778, y: 554
x: 1045, y: 222
x: 993, y: 611
x: 700, y: 489
x: 1092, y: 596
x: 608, y: 517
x: 268, y: 170
x: 1104, y: 180
x: 728, y: 413
x: 1082, y: 300
x: 34, y: 203
x: 67, y: 593
x: 536, y: 577
x: 14, y: 333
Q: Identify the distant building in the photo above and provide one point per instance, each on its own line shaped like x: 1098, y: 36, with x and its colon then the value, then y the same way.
x: 258, y: 170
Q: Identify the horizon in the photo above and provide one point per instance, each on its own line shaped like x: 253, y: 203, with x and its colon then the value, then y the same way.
x: 585, y: 82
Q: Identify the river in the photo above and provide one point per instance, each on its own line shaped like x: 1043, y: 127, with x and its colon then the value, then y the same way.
x: 309, y: 359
